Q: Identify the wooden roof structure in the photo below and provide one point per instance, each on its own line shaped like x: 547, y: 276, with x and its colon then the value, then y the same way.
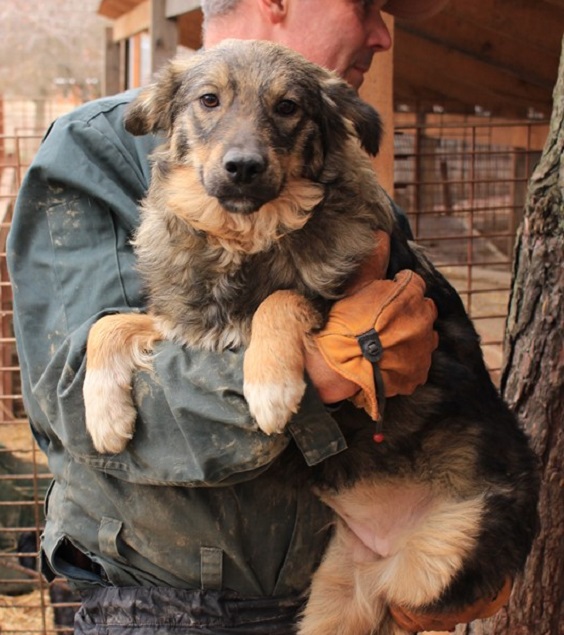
x: 494, y: 56
x: 499, y: 56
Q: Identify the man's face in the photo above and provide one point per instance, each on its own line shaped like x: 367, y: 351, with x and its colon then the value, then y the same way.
x: 341, y: 35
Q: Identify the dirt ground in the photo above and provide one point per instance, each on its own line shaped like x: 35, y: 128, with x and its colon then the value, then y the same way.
x: 25, y: 614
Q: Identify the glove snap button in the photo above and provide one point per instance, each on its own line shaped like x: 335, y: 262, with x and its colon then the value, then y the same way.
x: 370, y: 345
x: 372, y: 350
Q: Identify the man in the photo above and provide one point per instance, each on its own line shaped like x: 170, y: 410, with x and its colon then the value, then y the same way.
x: 191, y: 528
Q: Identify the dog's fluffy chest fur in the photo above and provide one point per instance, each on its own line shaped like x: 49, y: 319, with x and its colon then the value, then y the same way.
x: 205, y: 294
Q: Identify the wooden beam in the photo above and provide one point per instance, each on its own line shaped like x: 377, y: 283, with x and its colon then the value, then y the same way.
x: 538, y: 23
x: 116, y: 8
x: 132, y: 22
x: 480, y: 42
x: 429, y: 74
x: 175, y: 8
x: 509, y: 52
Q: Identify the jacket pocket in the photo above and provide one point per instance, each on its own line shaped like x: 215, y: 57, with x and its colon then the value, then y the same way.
x: 60, y: 557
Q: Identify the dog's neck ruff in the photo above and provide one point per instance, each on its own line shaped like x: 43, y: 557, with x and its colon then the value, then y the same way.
x: 246, y: 233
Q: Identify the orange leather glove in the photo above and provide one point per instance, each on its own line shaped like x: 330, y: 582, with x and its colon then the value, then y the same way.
x: 381, y: 338
x: 417, y: 622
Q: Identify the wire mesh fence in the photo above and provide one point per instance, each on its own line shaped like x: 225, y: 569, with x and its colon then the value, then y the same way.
x: 463, y: 186
x: 28, y: 604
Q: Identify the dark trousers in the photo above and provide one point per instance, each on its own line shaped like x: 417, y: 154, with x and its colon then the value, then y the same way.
x: 163, y: 611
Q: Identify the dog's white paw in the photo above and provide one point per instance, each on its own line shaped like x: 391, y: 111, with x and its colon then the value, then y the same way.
x: 272, y: 404
x: 110, y: 413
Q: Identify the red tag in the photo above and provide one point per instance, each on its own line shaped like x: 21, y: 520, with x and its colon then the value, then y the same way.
x: 378, y: 437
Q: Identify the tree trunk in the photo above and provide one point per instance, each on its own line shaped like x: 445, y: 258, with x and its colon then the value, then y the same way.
x: 533, y: 384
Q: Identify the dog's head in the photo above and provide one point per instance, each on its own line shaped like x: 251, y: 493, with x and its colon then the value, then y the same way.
x: 252, y: 117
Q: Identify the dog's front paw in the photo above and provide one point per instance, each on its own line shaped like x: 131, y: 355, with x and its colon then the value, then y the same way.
x: 273, y: 401
x: 274, y: 360
x: 110, y: 413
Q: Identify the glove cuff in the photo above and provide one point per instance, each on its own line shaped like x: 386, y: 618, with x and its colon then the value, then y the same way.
x: 414, y: 621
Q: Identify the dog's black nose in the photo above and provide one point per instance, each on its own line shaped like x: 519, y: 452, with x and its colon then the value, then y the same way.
x: 243, y: 167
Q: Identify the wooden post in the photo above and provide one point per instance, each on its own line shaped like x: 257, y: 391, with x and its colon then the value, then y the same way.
x: 134, y: 61
x: 2, y: 145
x: 427, y: 175
x: 378, y: 90
x: 164, y: 35
x: 112, y: 65
x: 123, y: 52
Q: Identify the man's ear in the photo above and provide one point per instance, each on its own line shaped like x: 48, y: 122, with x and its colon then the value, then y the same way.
x: 153, y: 109
x: 274, y: 10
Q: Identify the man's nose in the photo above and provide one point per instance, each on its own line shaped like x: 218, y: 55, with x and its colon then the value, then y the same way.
x: 378, y: 35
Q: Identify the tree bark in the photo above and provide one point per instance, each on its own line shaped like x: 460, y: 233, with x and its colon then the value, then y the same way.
x: 533, y: 384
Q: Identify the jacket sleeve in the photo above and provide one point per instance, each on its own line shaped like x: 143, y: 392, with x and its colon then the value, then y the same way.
x: 71, y: 262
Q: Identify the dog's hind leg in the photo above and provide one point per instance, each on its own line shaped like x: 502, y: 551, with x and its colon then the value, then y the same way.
x: 397, y: 545
x: 274, y: 361
x: 117, y: 346
x: 336, y: 604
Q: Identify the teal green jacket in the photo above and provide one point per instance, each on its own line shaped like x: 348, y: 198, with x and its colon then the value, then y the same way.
x: 198, y: 499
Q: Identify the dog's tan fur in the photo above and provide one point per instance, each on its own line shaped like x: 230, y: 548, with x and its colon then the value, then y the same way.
x: 395, y: 542
x: 443, y: 511
x: 355, y: 583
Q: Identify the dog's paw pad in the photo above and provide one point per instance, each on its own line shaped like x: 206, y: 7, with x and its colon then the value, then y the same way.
x: 273, y: 404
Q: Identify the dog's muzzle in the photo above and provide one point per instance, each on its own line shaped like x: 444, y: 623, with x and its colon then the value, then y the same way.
x: 242, y: 183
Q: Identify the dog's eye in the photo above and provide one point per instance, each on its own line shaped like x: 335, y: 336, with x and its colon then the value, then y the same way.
x: 286, y: 107
x: 209, y: 100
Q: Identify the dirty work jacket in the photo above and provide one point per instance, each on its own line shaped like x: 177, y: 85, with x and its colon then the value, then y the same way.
x: 197, y: 499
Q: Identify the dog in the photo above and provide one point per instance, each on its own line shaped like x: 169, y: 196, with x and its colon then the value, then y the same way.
x: 262, y: 206
x: 234, y: 203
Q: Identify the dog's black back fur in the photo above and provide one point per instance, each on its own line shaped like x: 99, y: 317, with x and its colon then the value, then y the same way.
x: 456, y: 429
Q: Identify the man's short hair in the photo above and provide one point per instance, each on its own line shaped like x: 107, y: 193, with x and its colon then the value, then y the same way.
x: 214, y: 8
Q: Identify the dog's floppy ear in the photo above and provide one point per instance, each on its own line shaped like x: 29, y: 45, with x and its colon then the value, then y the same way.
x: 346, y: 103
x: 153, y: 109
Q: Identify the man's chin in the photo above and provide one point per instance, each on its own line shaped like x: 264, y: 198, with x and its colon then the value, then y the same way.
x: 355, y: 77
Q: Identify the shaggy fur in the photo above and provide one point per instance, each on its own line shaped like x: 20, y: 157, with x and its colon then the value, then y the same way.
x: 261, y: 207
